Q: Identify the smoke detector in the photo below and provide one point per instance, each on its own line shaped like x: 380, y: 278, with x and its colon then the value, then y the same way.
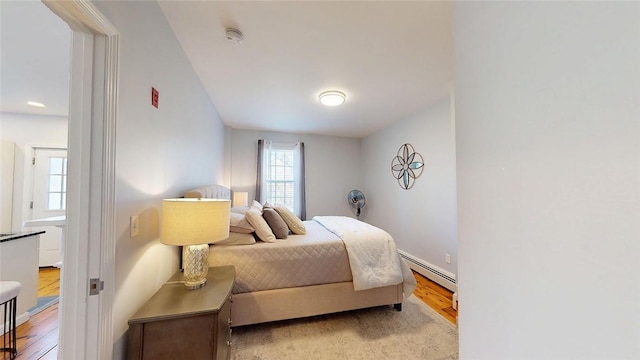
x: 234, y: 35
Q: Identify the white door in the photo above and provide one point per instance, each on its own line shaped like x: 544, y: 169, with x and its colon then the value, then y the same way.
x: 49, y: 199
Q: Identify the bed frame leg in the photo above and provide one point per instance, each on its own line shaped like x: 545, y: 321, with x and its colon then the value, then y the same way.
x: 398, y: 306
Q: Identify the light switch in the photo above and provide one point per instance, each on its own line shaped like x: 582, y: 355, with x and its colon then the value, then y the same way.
x: 133, y: 226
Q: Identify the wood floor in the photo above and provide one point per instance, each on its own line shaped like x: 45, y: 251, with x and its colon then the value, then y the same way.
x: 38, y: 337
x: 436, y: 297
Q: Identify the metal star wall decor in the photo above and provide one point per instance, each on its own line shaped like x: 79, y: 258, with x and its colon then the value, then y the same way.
x: 407, y: 166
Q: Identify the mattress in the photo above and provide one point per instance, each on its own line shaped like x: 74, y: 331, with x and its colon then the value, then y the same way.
x: 319, y: 257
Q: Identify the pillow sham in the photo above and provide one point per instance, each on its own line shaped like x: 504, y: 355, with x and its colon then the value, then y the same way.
x: 237, y: 239
x: 293, y: 222
x: 275, y: 222
x: 254, y: 217
x: 238, y: 223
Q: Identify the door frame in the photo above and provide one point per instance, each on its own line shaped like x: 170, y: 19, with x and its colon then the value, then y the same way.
x: 86, y: 327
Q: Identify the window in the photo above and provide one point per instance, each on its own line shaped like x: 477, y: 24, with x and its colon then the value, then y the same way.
x: 280, y: 180
x: 281, y: 175
x: 57, y: 190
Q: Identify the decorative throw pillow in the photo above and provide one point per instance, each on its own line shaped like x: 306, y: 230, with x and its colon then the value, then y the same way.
x: 277, y: 225
x: 254, y: 217
x: 238, y: 223
x: 237, y: 239
x: 293, y: 222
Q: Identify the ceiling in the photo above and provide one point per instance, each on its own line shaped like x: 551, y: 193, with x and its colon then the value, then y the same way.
x: 34, y: 60
x: 391, y: 58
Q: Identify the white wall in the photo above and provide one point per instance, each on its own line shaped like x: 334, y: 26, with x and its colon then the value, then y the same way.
x: 27, y: 131
x: 422, y: 220
x: 548, y: 169
x: 160, y: 152
x: 332, y: 167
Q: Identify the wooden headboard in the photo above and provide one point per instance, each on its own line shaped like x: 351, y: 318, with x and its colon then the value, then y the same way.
x: 210, y: 192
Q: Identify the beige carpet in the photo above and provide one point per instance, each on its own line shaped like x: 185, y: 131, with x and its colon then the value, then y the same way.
x: 417, y: 332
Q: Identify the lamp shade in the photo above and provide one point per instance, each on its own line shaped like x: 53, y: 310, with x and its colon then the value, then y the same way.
x: 194, y: 221
x: 240, y: 198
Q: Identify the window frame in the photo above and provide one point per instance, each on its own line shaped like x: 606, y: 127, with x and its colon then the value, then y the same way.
x: 62, y: 190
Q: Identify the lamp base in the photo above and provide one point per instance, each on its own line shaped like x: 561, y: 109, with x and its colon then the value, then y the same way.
x: 195, y: 285
x: 196, y: 265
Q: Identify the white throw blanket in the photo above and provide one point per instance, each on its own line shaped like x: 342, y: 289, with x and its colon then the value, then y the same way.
x: 372, y: 253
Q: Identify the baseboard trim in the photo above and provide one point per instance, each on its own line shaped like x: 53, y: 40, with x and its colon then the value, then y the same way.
x: 430, y: 271
x: 20, y: 319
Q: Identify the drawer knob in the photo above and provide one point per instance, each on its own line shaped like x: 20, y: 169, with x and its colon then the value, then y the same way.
x: 229, y: 343
x: 230, y: 322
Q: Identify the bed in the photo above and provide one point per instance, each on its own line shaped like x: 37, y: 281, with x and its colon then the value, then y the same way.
x: 304, y: 275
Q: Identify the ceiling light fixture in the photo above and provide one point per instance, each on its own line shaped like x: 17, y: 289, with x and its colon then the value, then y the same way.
x: 332, y: 98
x: 36, y: 104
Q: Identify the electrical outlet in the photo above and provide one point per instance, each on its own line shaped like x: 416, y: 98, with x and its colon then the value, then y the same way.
x: 133, y: 226
x: 447, y: 258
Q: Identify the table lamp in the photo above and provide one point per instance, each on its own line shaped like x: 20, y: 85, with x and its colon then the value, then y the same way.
x: 194, y: 223
x: 240, y: 198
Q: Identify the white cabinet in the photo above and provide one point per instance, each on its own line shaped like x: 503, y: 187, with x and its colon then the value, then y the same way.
x: 19, y: 262
x: 47, y: 224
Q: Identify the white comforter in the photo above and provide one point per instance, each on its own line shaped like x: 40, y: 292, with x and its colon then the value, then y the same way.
x: 373, y: 256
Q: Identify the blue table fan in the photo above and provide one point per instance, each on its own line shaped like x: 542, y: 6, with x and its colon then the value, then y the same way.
x: 356, y: 200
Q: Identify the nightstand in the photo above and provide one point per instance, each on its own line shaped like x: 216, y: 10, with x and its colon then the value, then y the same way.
x: 177, y: 323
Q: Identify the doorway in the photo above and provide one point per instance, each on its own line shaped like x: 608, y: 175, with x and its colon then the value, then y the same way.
x: 35, y: 86
x: 85, y: 321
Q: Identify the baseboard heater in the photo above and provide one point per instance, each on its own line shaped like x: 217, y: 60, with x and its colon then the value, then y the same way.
x: 431, y: 272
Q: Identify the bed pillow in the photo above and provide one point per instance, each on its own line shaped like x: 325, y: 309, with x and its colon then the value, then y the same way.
x: 237, y: 239
x: 296, y: 225
x: 240, y: 209
x: 257, y: 205
x: 277, y: 225
x: 238, y: 223
x: 267, y: 205
x: 254, y: 217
